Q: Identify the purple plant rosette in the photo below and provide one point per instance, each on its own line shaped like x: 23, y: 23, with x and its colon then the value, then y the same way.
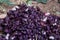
x: 29, y: 23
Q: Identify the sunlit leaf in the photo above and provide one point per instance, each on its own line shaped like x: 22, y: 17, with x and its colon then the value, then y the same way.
x: 6, y: 2
x: 28, y: 1
x: 39, y: 1
x: 44, y: 1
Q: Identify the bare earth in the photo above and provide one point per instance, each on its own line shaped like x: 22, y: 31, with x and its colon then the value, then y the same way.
x: 52, y: 6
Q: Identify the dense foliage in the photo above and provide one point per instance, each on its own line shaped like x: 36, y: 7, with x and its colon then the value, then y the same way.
x: 29, y: 23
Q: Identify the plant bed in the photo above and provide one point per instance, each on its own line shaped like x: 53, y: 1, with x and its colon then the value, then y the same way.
x: 29, y: 23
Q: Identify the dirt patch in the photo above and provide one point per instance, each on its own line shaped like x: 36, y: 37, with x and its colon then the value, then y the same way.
x: 51, y: 6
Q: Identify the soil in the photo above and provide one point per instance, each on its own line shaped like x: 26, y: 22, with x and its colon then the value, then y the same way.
x: 52, y: 6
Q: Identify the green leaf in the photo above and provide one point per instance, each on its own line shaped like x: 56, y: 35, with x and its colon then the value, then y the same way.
x: 1, y: 1
x: 57, y: 12
x: 28, y: 1
x: 41, y: 1
x: 6, y: 2
x: 44, y: 1
x: 10, y: 3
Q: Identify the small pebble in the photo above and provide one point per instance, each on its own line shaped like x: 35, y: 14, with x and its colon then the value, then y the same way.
x: 43, y: 32
x: 54, y: 24
x: 7, y: 36
x: 45, y: 19
x: 55, y: 20
x: 3, y: 16
x: 26, y: 9
x: 13, y: 37
x: 25, y: 19
x: 30, y: 39
x: 17, y: 7
x: 51, y: 37
x: 47, y: 14
x: 13, y: 8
